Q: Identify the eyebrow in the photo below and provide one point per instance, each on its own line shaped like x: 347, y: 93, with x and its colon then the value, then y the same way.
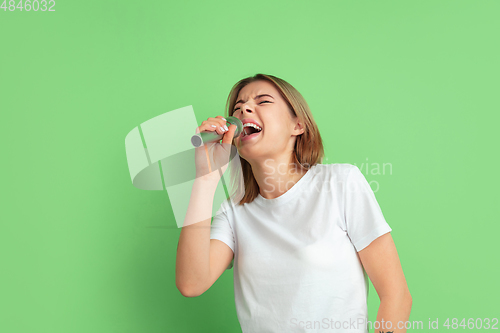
x: 258, y: 96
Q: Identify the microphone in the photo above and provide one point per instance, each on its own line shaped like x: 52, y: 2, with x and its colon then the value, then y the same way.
x: 204, y: 137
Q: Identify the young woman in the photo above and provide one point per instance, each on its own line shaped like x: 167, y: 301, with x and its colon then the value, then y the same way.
x: 305, y: 236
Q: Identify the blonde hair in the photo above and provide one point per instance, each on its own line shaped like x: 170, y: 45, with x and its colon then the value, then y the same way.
x: 308, y: 149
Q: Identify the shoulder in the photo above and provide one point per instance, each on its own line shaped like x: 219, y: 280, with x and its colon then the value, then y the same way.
x: 229, y: 207
x: 338, y: 171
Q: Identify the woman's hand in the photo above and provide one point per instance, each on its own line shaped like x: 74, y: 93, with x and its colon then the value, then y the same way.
x: 217, y: 153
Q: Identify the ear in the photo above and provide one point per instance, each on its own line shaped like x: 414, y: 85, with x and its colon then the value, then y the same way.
x: 299, y: 128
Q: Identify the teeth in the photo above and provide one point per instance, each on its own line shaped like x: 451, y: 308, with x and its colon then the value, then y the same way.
x: 252, y: 125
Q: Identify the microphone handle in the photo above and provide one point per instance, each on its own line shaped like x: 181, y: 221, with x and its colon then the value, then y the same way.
x: 199, y: 139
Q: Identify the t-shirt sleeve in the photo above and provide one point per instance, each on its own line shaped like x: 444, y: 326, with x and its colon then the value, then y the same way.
x: 363, y: 217
x: 221, y: 230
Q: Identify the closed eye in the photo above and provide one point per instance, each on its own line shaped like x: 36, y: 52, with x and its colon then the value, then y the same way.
x: 259, y: 103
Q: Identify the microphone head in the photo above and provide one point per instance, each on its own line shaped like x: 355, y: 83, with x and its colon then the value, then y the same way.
x: 239, y: 125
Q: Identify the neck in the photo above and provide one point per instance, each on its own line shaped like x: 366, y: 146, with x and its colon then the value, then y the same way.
x: 277, y: 175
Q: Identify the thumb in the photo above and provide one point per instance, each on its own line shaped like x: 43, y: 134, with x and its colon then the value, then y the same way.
x: 228, y: 136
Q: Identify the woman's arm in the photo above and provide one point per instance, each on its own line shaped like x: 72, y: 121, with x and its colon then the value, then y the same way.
x: 200, y: 260
x: 381, y: 262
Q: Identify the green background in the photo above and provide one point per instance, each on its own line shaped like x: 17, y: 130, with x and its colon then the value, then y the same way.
x: 414, y: 84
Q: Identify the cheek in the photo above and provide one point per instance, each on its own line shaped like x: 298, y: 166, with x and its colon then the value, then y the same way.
x: 274, y: 132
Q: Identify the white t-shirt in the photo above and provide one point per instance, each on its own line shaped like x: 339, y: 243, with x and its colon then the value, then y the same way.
x: 296, y: 267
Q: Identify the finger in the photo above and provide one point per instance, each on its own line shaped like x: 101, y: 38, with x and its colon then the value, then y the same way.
x: 221, y: 126
x: 221, y: 121
x: 221, y: 117
x: 228, y: 136
x: 221, y: 130
x: 210, y: 127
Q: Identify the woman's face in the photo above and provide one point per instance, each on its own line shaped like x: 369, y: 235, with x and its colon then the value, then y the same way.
x: 261, y: 102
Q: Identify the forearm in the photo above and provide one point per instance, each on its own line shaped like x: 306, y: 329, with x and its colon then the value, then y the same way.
x: 193, y: 249
x: 397, y: 311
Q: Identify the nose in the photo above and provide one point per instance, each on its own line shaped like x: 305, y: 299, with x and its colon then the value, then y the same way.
x: 245, y: 108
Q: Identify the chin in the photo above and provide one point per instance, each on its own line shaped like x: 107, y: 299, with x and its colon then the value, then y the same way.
x: 242, y: 151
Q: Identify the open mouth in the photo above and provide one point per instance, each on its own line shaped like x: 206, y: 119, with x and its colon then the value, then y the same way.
x: 250, y: 130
